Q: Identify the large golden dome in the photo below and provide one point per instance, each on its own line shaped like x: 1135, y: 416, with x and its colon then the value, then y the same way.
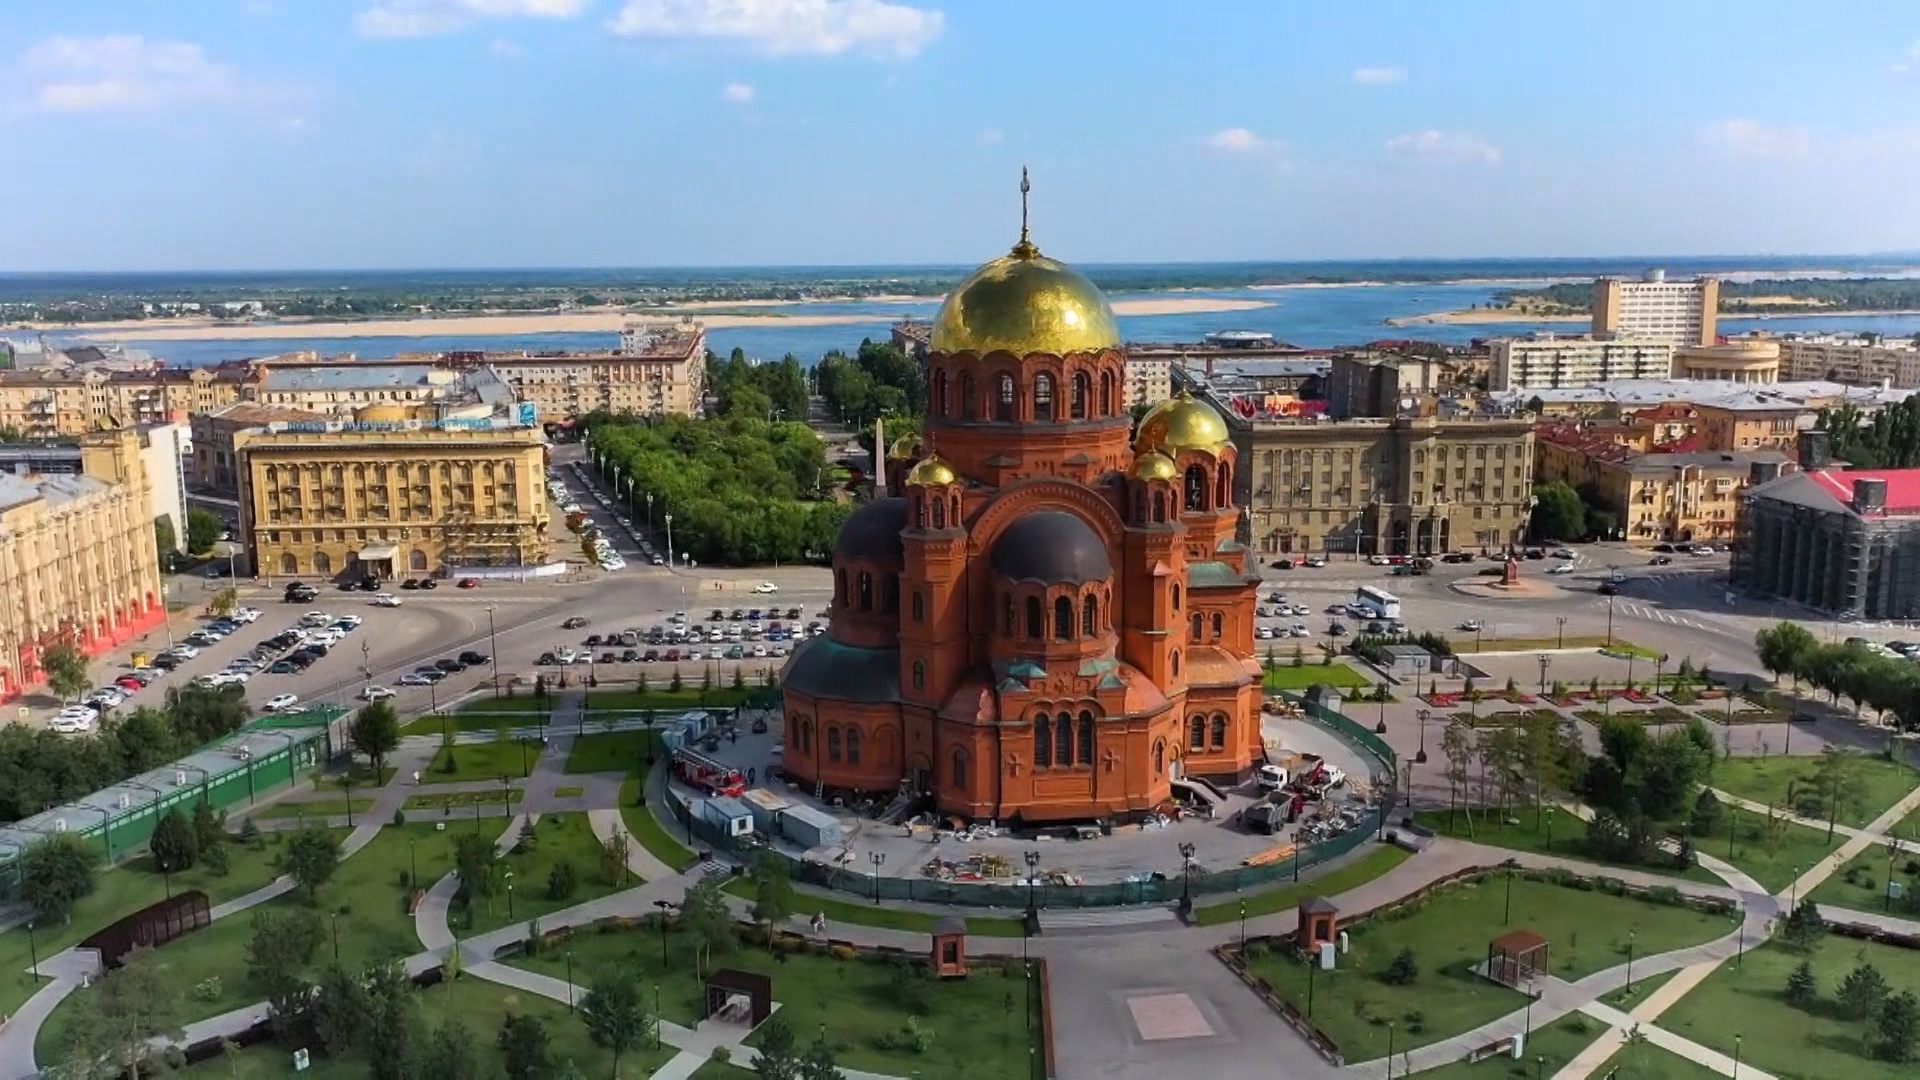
x: 1182, y: 423
x: 1021, y: 303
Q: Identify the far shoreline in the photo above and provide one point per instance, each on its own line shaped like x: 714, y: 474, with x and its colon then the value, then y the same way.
x: 1476, y: 316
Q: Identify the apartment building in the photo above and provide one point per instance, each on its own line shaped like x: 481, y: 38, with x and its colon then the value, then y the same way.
x: 77, y: 558
x: 1655, y: 309
x: 215, y: 467
x: 659, y: 369
x: 387, y: 497
x: 1859, y: 361
x: 46, y: 403
x: 1553, y: 361
x: 1657, y: 496
x: 1375, y: 383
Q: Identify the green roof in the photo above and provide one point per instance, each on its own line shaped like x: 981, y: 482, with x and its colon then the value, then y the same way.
x: 1205, y: 574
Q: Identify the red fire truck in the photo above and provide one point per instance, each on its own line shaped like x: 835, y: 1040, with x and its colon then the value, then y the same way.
x: 709, y: 776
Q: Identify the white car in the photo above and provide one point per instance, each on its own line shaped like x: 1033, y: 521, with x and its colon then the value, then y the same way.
x: 245, y: 614
x: 1299, y: 630
x: 282, y: 702
x: 413, y: 678
x: 766, y: 587
x: 315, y: 618
x: 1470, y: 625
x: 375, y: 693
x: 1563, y: 568
x: 184, y: 651
x: 348, y: 622
x: 385, y: 599
x: 1380, y: 560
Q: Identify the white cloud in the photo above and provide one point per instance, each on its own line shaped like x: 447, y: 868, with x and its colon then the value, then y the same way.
x: 122, y: 72
x: 806, y: 27
x: 1379, y: 76
x: 424, y: 18
x: 505, y: 49
x: 737, y: 92
x: 1236, y: 140
x: 989, y: 136
x: 1432, y: 145
x: 1750, y: 138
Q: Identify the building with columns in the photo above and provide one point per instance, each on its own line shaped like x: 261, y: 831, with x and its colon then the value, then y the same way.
x: 1053, y: 620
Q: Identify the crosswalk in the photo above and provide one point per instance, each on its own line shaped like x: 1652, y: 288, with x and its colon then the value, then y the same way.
x: 1637, y: 610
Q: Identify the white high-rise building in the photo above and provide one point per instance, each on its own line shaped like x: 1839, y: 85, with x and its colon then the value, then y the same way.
x: 1551, y: 361
x: 1655, y: 309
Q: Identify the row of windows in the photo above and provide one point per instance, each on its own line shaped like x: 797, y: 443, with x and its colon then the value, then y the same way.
x: 862, y: 595
x: 1197, y: 627
x: 1197, y: 730
x: 959, y: 396
x: 1054, y: 744
x: 422, y: 473
x: 322, y: 563
x: 1062, y: 626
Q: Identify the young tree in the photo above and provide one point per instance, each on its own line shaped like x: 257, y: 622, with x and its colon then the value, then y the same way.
x: 1456, y: 745
x: 203, y: 530
x: 1861, y: 992
x: 474, y: 858
x: 312, y: 855
x: 375, y: 733
x: 706, y: 914
x: 66, y: 670
x: 1801, y: 987
x: 1898, y: 1024
x: 614, y: 1013
x: 279, y: 950
x: 1404, y: 969
x: 129, y: 1012
x: 392, y: 1021
x: 772, y: 892
x: 613, y: 859
x: 448, y: 1054
x: 1836, y: 776
x: 1707, y: 815
x: 819, y: 1064
x: 524, y: 1042
x: 224, y: 602
x: 341, y: 1012
x: 779, y: 1057
x: 55, y: 873
x: 173, y: 843
x: 209, y: 830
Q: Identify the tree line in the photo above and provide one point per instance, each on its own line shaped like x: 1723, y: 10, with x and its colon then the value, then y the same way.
x: 39, y: 769
x: 741, y: 491
x: 758, y: 391
x: 1890, y: 439
x: 878, y: 380
x: 1890, y: 686
x: 1847, y: 294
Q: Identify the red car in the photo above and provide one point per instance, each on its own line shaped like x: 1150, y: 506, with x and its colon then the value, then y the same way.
x: 469, y: 583
x: 129, y: 683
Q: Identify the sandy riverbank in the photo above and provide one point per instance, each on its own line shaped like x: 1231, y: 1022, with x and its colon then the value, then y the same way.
x: 1475, y: 316
x: 608, y: 322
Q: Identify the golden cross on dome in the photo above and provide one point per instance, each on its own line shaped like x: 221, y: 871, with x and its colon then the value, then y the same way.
x: 1024, y: 249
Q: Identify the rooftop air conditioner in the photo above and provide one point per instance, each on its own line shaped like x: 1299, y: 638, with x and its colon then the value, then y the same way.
x: 125, y: 800
x: 59, y: 824
x: 180, y: 778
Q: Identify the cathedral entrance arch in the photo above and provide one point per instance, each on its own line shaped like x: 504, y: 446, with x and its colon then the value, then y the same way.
x: 920, y: 774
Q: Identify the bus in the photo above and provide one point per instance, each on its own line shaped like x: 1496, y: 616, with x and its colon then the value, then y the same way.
x: 1378, y: 603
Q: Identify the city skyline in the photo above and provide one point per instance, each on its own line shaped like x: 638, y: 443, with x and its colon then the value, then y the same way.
x: 550, y: 133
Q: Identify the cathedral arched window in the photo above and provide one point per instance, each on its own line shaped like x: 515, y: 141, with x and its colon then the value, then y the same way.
x: 1194, y: 626
x: 1106, y: 393
x: 890, y: 594
x: 919, y: 510
x: 289, y: 564
x: 1223, y: 486
x: 806, y: 737
x: 865, y: 586
x: 1219, y: 626
x: 1219, y: 731
x: 1196, y: 488
x: 1086, y: 737
x: 833, y: 744
x: 919, y: 674
x: 1159, y: 757
x: 1196, y: 732
x: 1062, y: 619
x: 953, y: 511
x: 939, y: 513
x: 969, y: 409
x: 1042, y: 742
x: 1160, y: 508
x: 959, y: 768
x: 919, y: 606
x: 853, y: 746
x: 1089, y: 617
x: 939, y: 393
x: 1077, y: 396
x: 1063, y: 739
x: 1003, y: 405
x: 1043, y: 397
x: 1006, y: 613
x: 1176, y: 663
x: 1035, y: 629
x: 1176, y: 596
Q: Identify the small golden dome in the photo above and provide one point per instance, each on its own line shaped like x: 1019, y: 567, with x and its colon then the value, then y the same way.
x: 905, y: 448
x: 1024, y: 303
x: 931, y: 473
x: 1182, y: 423
x: 1154, y: 465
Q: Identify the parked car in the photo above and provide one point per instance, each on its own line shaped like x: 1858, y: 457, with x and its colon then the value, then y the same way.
x: 375, y: 693
x: 386, y: 599
x: 282, y: 702
x: 469, y: 583
x: 573, y: 623
x: 473, y: 659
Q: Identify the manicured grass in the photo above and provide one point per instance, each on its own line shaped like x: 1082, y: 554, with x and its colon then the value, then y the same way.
x: 316, y: 808
x: 1626, y: 998
x: 1288, y: 677
x: 1645, y: 1061
x: 121, y: 891
x: 1448, y: 933
x: 810, y: 901
x: 1794, y: 851
x: 557, y: 838
x: 1862, y: 883
x: 1464, y: 646
x: 649, y: 831
x: 1748, y: 999
x: 1368, y: 866
x: 1555, y: 1044
x: 979, y: 1030
x: 1556, y: 833
x: 521, y: 712
x: 459, y: 800
x: 613, y: 751
x: 363, y: 903
x: 481, y: 761
x: 478, y: 1004
x: 1765, y: 780
x: 659, y: 697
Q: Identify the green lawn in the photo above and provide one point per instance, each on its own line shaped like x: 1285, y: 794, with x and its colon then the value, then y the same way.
x: 1645, y: 1061
x: 557, y: 838
x: 613, y: 751
x: 1862, y: 883
x: 481, y: 761
x: 315, y: 808
x: 978, y: 1022
x: 484, y: 714
x: 1550, y: 1048
x: 1747, y: 999
x: 1626, y: 998
x: 1288, y: 677
x: 1556, y: 833
x: 1766, y: 779
x: 1776, y: 866
x: 481, y: 1006
x: 648, y: 830
x: 1448, y: 932
x: 1368, y: 866
x: 363, y: 903
x: 880, y: 915
x: 459, y: 800
x: 659, y: 697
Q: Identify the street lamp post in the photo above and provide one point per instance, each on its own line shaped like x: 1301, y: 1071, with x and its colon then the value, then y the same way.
x: 669, y: 517
x: 1609, y: 620
x: 336, y: 935
x: 1390, y: 1027
x: 506, y: 803
x: 649, y: 513
x: 33, y: 951
x: 1629, y: 961
x: 1736, y: 1057
x: 1186, y: 880
x: 665, y: 907
x: 493, y: 650
x: 1545, y: 662
x: 366, y: 669
x: 570, y: 980
x: 876, y: 858
x: 1033, y: 911
x: 509, y: 896
x: 1421, y: 756
x: 413, y: 863
x: 1243, y: 926
x: 1562, y: 619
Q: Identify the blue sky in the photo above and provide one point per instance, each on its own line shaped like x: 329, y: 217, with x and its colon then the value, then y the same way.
x: 208, y: 134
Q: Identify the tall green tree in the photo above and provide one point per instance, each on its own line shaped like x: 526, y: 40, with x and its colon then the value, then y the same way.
x: 125, y: 1016
x: 66, y: 670
x: 173, y: 843
x: 524, y: 1042
x: 1837, y: 776
x: 475, y: 858
x: 449, y: 1053
x: 203, y: 530
x: 1558, y: 513
x: 1896, y: 1027
x: 55, y: 873
x: 705, y: 912
x: 779, y: 1057
x: 614, y: 1013
x: 772, y: 892
x: 375, y: 733
x: 312, y: 855
x: 280, y: 951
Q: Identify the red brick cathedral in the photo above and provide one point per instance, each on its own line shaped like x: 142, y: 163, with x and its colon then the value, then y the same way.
x: 1047, y: 623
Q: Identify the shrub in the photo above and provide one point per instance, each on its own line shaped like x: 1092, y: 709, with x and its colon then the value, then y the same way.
x: 399, y: 816
x: 1665, y: 894
x: 534, y: 944
x: 561, y: 881
x: 207, y: 989
x: 250, y: 833
x: 1404, y: 969
x: 918, y: 1037
x: 843, y: 952
x: 722, y: 1054
x: 1801, y: 987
